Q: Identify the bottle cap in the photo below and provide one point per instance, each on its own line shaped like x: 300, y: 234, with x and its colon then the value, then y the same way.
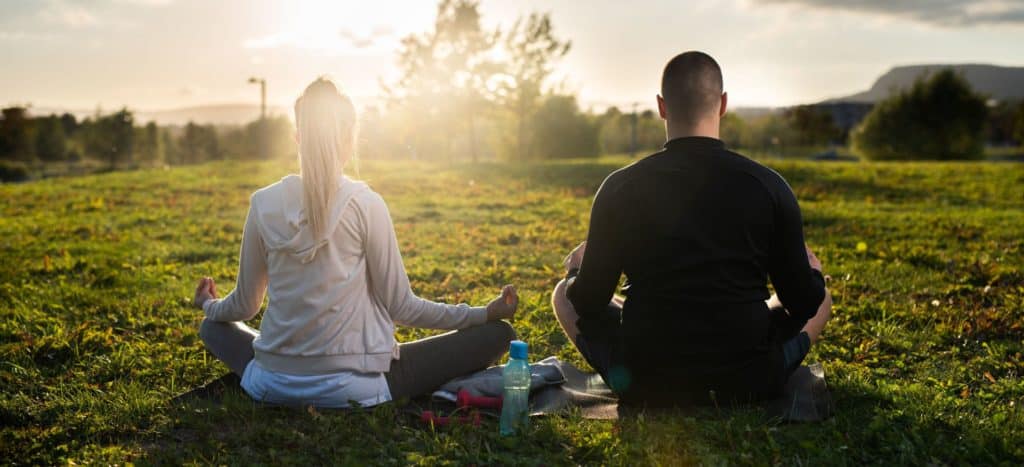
x: 517, y: 349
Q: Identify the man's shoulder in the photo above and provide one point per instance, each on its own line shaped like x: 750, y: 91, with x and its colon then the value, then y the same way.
x: 768, y: 177
x: 625, y: 175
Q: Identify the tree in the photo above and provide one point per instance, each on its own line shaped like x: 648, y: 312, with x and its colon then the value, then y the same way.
x: 999, y: 126
x: 532, y: 48
x: 772, y: 133
x: 562, y: 131
x: 50, y: 142
x: 110, y: 137
x: 199, y: 143
x: 120, y: 127
x: 172, y: 153
x: 150, y: 144
x: 615, y: 131
x: 444, y: 76
x: 940, y: 117
x: 813, y: 126
x: 16, y: 135
x: 69, y: 124
x: 271, y: 137
x: 732, y: 129
x: 1018, y: 132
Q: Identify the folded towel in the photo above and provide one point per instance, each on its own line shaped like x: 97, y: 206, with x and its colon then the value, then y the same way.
x: 490, y: 383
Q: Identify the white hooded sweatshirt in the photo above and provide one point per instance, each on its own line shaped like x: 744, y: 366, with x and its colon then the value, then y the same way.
x: 334, y: 301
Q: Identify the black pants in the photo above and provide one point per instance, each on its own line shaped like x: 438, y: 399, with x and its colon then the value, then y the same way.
x: 602, y: 347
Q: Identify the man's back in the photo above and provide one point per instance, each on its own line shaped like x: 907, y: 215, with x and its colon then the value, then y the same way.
x: 698, y: 230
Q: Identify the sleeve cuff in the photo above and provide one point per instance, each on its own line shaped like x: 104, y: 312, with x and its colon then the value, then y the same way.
x: 206, y: 307
x: 477, y: 315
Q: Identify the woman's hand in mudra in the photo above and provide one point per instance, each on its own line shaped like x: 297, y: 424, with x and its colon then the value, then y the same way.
x: 206, y: 290
x: 503, y: 307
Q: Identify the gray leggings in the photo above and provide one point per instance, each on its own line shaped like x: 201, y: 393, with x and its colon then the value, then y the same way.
x: 424, y: 365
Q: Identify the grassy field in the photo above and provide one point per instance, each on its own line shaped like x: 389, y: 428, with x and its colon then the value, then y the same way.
x: 923, y: 356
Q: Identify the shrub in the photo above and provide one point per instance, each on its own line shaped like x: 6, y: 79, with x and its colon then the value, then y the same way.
x: 938, y: 118
x: 12, y: 171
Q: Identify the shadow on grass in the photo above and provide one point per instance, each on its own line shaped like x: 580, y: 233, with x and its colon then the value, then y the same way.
x: 848, y: 183
x: 875, y: 427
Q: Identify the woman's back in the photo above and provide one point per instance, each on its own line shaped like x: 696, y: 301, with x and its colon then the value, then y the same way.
x: 323, y: 248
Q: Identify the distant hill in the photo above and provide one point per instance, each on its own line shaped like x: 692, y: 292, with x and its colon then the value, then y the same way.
x: 217, y: 114
x: 998, y: 82
x: 221, y: 114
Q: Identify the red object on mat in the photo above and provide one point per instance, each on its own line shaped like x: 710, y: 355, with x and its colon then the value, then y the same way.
x: 464, y: 399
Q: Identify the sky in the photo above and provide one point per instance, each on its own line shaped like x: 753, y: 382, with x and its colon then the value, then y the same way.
x: 162, y: 54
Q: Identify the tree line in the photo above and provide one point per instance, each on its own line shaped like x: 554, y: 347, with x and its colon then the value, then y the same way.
x: 112, y: 141
x: 466, y: 92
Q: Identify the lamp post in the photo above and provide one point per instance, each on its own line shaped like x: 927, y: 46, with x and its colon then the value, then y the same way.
x: 263, y: 95
x: 261, y: 130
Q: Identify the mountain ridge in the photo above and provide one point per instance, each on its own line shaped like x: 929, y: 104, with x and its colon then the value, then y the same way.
x: 996, y: 81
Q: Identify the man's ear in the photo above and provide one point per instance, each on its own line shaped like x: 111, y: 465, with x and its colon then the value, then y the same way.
x: 662, y: 108
x: 296, y: 136
x: 725, y: 103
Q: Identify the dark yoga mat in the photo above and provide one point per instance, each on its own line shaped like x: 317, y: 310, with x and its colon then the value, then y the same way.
x: 806, y: 397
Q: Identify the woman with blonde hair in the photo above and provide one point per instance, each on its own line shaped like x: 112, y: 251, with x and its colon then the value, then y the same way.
x: 323, y: 248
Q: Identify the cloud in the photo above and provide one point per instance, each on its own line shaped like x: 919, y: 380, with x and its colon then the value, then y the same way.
x: 65, y: 14
x: 949, y: 13
x: 146, y: 2
x: 361, y: 40
x: 337, y: 42
x: 25, y: 36
x: 189, y: 91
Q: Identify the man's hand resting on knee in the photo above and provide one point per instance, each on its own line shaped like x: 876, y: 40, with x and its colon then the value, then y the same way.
x: 575, y: 257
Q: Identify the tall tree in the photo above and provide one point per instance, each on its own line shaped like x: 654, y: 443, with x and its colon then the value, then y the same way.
x: 50, y: 142
x: 121, y: 128
x: 149, y: 144
x: 532, y: 49
x: 444, y: 76
x: 199, y: 143
x: 69, y: 124
x: 16, y: 134
x: 172, y: 153
x: 111, y: 137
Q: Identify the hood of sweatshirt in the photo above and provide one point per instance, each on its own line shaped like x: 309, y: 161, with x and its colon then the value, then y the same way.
x: 282, y: 219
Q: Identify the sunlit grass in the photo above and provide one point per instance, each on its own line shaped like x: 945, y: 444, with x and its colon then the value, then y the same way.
x: 96, y: 336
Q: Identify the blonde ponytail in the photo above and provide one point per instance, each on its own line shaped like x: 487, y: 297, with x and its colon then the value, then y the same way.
x: 326, y: 122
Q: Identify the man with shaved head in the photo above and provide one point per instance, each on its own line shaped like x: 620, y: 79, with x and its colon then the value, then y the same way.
x: 698, y: 231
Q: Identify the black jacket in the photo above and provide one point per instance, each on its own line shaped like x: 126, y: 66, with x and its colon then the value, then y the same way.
x: 698, y: 231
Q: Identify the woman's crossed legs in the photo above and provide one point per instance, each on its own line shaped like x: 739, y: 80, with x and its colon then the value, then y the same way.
x: 424, y: 365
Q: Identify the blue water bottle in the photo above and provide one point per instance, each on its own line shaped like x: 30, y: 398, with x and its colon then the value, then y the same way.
x: 515, y: 407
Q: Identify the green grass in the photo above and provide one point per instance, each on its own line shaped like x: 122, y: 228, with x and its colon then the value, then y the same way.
x: 923, y: 355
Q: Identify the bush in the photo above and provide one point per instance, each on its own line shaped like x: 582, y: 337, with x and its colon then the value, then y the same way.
x: 939, y: 118
x: 11, y: 171
x: 560, y: 130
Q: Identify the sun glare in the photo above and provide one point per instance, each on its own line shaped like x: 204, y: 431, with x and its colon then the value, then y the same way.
x: 344, y: 28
